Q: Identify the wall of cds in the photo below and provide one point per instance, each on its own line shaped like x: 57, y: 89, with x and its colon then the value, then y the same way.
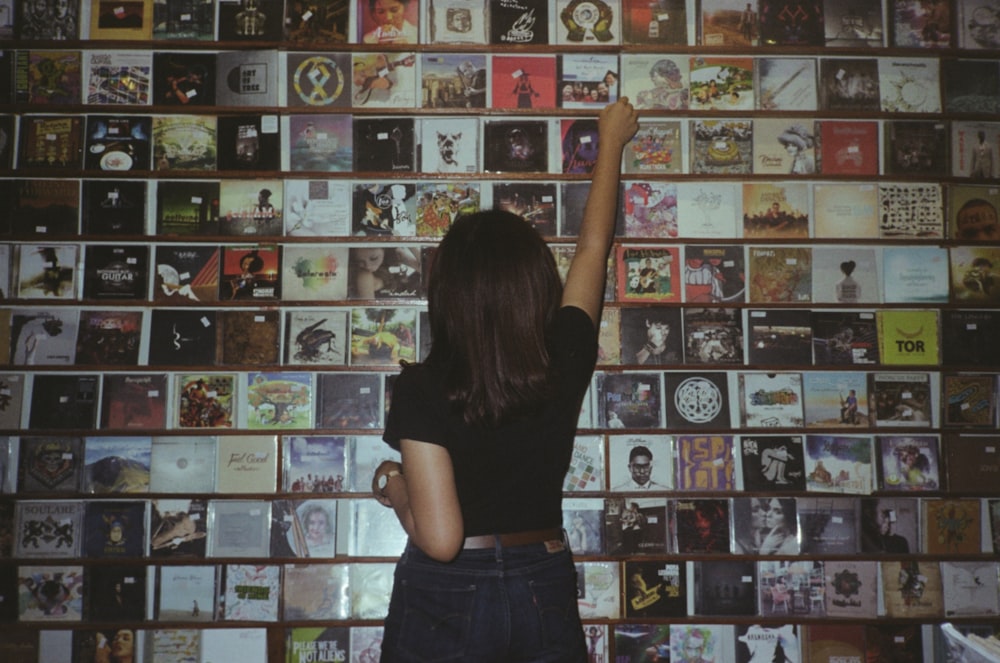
x: 217, y: 221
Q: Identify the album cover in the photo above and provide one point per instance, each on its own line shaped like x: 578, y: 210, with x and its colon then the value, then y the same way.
x: 250, y: 593
x: 767, y: 642
x: 46, y: 271
x: 657, y: 147
x: 348, y: 400
x: 364, y: 454
x: 656, y: 588
x: 63, y: 401
x: 316, y: 336
x: 324, y: 142
x: 786, y: 84
x: 709, y: 210
x: 535, y: 202
x: 516, y: 146
x: 725, y: 588
x: 993, y: 515
x: 910, y: 85
x: 317, y: 23
x: 313, y: 464
x: 185, y: 593
x: 130, y: 20
x: 518, y: 22
x: 579, y: 145
x: 250, y: 273
x: 714, y: 274
x: 307, y: 643
x: 50, y: 593
x: 250, y: 207
x: 848, y: 147
x: 696, y: 400
x: 118, y: 77
x: 830, y: 641
x: 11, y: 404
x: 908, y: 462
x: 722, y: 84
x: 845, y: 275
x: 50, y: 77
x: 916, y: 147
x: 972, y: 462
x: 971, y: 210
x: 8, y: 146
x: 780, y: 274
x: 117, y: 143
x: 901, y: 399
x: 182, y: 337
x: 440, y: 203
x: 651, y: 336
x: 384, y: 80
x: 721, y: 147
x: 587, y: 81
x: 593, y: 22
x: 373, y: 531
x: 238, y: 528
x: 242, y: 21
x: 246, y: 464
x: 48, y: 529
x: 248, y: 142
x: 845, y: 210
x: 705, y: 463
x: 583, y: 519
x: 713, y: 336
x: 770, y: 399
x: 656, y: 82
x: 586, y: 467
x: 852, y: 26
x: 915, y: 274
x: 629, y: 400
x: 637, y: 526
x: 184, y: 20
x: 660, y: 22
x: 609, y: 337
x: 178, y: 528
x: 449, y: 145
x: 911, y: 588
x: 844, y: 337
x: 967, y: 337
x: 523, y: 81
x: 204, y: 400
x: 184, y: 142
x: 701, y: 525
x: 650, y: 209
x: 383, y: 336
x: 828, y: 525
x: 851, y: 588
x: 279, y: 400
x: 908, y: 337
x: 972, y: 280
x: 43, y: 337
x: 116, y: 464
x: 728, y: 23
x: 836, y: 399
x: 247, y: 78
x: 248, y: 338
x: 49, y: 464
x: 648, y: 274
x: 186, y: 272
x: 969, y: 588
x: 779, y: 337
x: 920, y: 24
x: 316, y: 591
x: 384, y: 144
x: 114, y: 207
x: 970, y: 86
x: 118, y: 272
x: 317, y: 79
x: 635, y: 642
x: 781, y: 147
x: 183, y: 464
x: 771, y: 463
x: 314, y: 273
x: 640, y: 463
x: 243, y: 644
x: 787, y: 587
x: 187, y: 207
x: 43, y: 208
x: 839, y: 464
x: 794, y: 23
x: 849, y: 84
x: 313, y: 208
x: 951, y: 526
x: 911, y: 210
x: 599, y: 592
x: 50, y: 141
x: 114, y: 529
x: 184, y: 78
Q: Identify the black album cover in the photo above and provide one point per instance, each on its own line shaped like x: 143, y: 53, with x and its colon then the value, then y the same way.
x: 248, y: 338
x: 696, y: 400
x: 702, y: 525
x: 109, y: 337
x: 187, y: 207
x: 969, y: 337
x: 516, y: 146
x: 50, y: 464
x: 713, y: 336
x: 134, y: 401
x: 384, y: 209
x: 629, y: 400
x: 655, y: 588
x: 184, y: 79
x: 518, y: 22
x: 114, y: 528
x: 43, y: 208
x: 651, y: 336
x: 384, y: 144
x: 725, y: 588
x: 182, y: 337
x: 916, y: 147
x: 781, y: 337
x: 828, y: 525
x: 535, y: 202
x: 348, y: 400
x: 248, y: 142
x: 48, y: 21
x: 791, y: 22
x: 7, y: 124
x: 116, y: 271
x: 970, y: 86
x: 849, y: 84
x: 250, y: 20
x: 637, y: 525
x: 772, y: 463
x: 317, y: 22
x: 50, y: 141
x: 117, y: 143
x: 115, y: 593
x: 114, y: 207
x: 844, y: 337
x: 890, y: 525
x: 63, y: 402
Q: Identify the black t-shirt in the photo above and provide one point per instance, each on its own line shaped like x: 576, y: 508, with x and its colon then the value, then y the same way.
x: 509, y: 478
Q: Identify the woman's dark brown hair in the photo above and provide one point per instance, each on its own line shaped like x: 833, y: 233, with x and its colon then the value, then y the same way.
x: 492, y: 296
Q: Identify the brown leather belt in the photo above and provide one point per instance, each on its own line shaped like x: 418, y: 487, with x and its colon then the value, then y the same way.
x: 513, y: 538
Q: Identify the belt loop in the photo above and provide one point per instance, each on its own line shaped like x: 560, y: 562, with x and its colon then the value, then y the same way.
x: 498, y: 549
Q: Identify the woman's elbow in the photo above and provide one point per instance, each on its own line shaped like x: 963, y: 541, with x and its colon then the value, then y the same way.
x: 441, y: 548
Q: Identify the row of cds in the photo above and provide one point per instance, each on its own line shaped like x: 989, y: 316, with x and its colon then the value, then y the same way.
x: 456, y: 146
x: 504, y: 81
x: 629, y: 642
x: 967, y: 24
x: 649, y: 463
x: 49, y: 209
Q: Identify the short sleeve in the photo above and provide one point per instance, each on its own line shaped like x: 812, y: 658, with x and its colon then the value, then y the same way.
x: 415, y: 410
x: 574, y: 344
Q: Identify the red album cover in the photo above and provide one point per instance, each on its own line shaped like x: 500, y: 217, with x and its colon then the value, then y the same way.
x: 524, y: 81
x: 848, y: 147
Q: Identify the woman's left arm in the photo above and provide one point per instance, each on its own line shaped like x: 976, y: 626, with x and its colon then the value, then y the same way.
x: 424, y: 497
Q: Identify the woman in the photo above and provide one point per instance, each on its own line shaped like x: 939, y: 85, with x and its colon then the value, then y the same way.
x: 780, y: 536
x: 485, y: 428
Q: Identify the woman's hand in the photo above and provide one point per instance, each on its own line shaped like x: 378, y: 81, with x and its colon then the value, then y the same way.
x: 616, y: 124
x: 385, y: 468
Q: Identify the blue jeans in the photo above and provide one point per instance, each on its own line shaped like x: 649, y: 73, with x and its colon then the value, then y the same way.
x: 497, y: 604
